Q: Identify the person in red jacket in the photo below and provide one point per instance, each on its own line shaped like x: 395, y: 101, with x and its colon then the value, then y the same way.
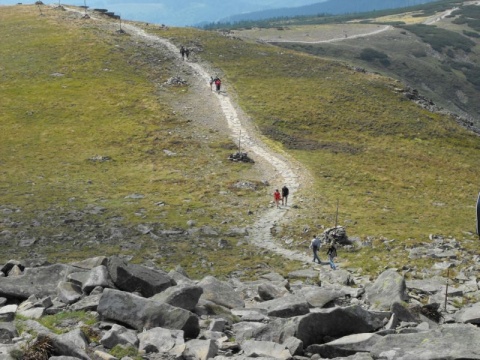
x: 277, y: 197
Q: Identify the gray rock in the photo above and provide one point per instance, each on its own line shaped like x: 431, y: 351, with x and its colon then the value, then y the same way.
x: 345, y: 346
x: 388, y: 288
x: 141, y: 313
x: 339, y: 276
x: 200, y: 349
x: 426, y: 286
x: 68, y: 292
x: 469, y: 314
x: 98, y: 276
x: 7, y: 313
x: 220, y: 293
x: 7, y: 332
x: 269, y: 291
x: 160, y: 340
x: 273, y: 277
x: 182, y: 296
x: 319, y: 296
x: 119, y: 335
x: 32, y: 313
x: 180, y: 278
x: 137, y: 278
x: 294, y: 345
x: 91, y: 263
x: 318, y: 327
x: 39, y: 281
x: 253, y: 348
x: 9, y: 265
x: 63, y: 358
x: 255, y: 315
x: 287, y: 306
x: 447, y: 342
x: 277, y: 330
x: 88, y: 303
x: 217, y: 325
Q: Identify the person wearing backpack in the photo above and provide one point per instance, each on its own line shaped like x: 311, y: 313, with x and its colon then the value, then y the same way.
x: 218, y: 83
x: 332, y: 254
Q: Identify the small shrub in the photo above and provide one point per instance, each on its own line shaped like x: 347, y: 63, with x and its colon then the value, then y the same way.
x: 370, y: 55
x: 471, y: 34
x: 41, y: 349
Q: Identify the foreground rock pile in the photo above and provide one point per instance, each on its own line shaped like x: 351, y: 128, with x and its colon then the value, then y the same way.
x: 314, y: 313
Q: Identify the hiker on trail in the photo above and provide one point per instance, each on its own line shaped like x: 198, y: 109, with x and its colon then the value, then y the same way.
x: 277, y: 196
x: 212, y: 81
x: 285, y: 193
x: 218, y: 83
x: 315, y: 245
x: 182, y: 52
x: 332, y: 254
x: 187, y: 52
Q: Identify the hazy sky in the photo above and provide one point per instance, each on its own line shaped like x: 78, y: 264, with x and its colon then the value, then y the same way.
x: 176, y: 12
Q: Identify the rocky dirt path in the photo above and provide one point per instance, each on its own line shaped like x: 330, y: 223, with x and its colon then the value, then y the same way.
x: 260, y: 232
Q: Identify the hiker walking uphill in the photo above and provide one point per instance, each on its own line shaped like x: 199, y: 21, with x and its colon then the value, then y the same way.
x: 315, y: 245
x: 276, y: 197
x: 182, y: 52
x: 332, y: 254
x: 285, y: 193
x: 218, y: 83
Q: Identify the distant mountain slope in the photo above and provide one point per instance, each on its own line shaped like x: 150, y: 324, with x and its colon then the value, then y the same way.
x: 331, y: 7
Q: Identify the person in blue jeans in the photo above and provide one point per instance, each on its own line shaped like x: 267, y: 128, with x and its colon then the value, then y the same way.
x: 315, y: 245
x: 332, y: 254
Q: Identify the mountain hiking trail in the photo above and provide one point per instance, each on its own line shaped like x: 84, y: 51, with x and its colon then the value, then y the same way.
x: 240, y: 129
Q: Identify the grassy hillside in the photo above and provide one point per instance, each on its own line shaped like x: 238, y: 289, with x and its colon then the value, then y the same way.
x: 397, y: 171
x: 440, y: 60
x: 85, y: 119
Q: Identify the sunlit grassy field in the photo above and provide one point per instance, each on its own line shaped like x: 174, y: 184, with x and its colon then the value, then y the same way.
x: 397, y: 171
x: 84, y: 122
x: 73, y: 93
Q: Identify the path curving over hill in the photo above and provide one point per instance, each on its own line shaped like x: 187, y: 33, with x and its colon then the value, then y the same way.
x: 260, y: 232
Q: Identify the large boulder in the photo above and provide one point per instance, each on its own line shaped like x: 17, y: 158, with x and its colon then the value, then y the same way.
x: 220, y: 293
x: 345, y: 346
x: 182, y: 296
x: 97, y: 276
x: 39, y: 281
x: 137, y: 278
x: 141, y: 313
x: 447, y: 342
x: 287, y: 306
x: 319, y: 297
x: 319, y: 327
x: 469, y: 314
x: 388, y: 288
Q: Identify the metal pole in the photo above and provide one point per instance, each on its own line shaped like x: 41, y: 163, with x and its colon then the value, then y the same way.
x: 336, y: 216
x: 446, y: 288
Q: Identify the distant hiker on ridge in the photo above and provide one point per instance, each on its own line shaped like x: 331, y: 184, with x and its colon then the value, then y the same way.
x: 182, y: 52
x: 187, y: 52
x: 285, y: 193
x: 218, y: 83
